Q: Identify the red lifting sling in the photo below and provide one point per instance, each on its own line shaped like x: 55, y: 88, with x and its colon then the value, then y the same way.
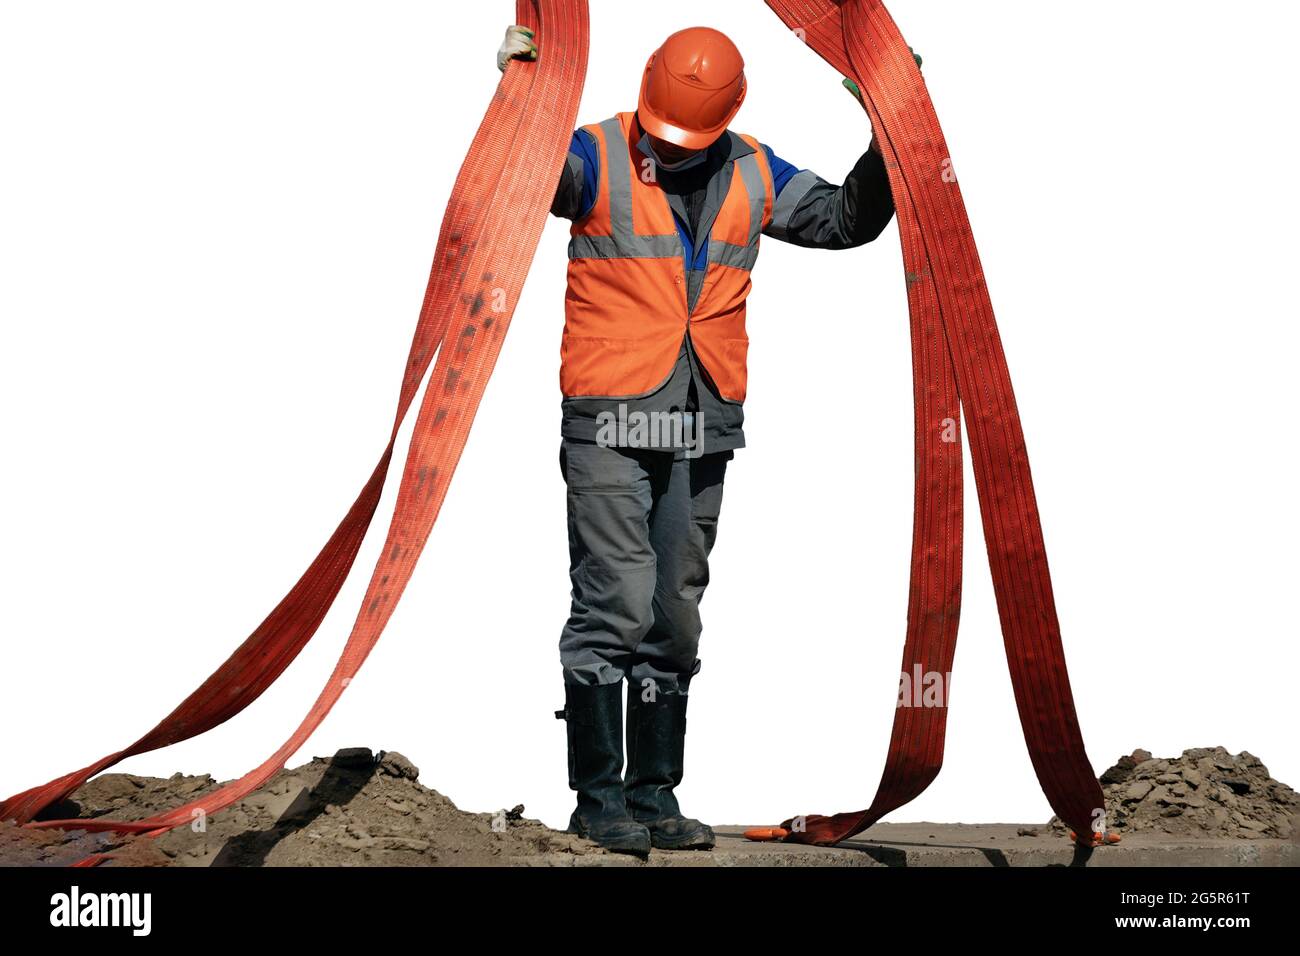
x: 958, y: 365
x: 489, y: 234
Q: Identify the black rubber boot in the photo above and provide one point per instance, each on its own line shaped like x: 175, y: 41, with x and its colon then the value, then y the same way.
x: 594, y: 717
x: 656, y: 749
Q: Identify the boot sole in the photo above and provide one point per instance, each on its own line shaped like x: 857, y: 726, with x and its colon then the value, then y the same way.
x: 634, y: 847
x: 689, y: 845
x: 696, y: 841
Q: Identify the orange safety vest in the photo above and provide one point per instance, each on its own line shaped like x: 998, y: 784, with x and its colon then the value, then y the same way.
x: 625, y: 310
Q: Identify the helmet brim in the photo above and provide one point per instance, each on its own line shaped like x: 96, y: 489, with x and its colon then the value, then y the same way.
x: 693, y: 139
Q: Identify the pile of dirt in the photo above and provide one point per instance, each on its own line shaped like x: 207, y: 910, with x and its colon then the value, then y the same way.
x: 359, y: 808
x: 1207, y: 792
x: 354, y: 809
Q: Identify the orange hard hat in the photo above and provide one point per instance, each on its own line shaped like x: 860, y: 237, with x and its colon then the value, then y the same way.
x: 692, y: 87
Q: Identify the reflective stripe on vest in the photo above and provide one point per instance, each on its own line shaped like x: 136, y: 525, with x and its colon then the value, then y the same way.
x: 626, y: 307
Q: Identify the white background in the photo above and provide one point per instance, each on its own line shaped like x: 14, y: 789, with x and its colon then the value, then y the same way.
x: 216, y: 226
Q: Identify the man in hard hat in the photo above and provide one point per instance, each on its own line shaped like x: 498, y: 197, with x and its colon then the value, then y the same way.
x: 667, y: 207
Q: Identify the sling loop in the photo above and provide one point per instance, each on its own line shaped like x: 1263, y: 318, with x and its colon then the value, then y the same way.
x: 958, y: 364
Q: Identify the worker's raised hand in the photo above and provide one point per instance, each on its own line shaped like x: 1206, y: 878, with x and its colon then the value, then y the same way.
x: 518, y: 45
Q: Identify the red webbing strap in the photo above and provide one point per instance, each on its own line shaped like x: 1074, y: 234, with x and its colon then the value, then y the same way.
x: 955, y: 346
x: 493, y: 224
x: 277, y: 641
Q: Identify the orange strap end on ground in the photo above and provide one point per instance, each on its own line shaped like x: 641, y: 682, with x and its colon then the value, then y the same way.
x: 766, y: 834
x: 958, y: 366
x: 489, y: 235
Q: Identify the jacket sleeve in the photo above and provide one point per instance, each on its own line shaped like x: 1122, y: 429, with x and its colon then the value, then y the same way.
x: 576, y: 192
x: 811, y: 212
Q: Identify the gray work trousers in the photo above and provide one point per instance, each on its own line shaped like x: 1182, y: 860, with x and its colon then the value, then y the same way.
x: 641, y: 526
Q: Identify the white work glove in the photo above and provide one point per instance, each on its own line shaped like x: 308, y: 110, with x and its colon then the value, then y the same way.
x: 518, y: 44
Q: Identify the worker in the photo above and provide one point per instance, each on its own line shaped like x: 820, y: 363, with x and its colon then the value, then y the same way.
x: 667, y: 206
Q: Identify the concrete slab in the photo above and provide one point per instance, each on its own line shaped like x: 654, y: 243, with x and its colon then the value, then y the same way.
x: 957, y: 845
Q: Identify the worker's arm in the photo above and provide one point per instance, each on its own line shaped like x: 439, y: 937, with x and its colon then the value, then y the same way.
x: 811, y: 212
x: 576, y: 193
